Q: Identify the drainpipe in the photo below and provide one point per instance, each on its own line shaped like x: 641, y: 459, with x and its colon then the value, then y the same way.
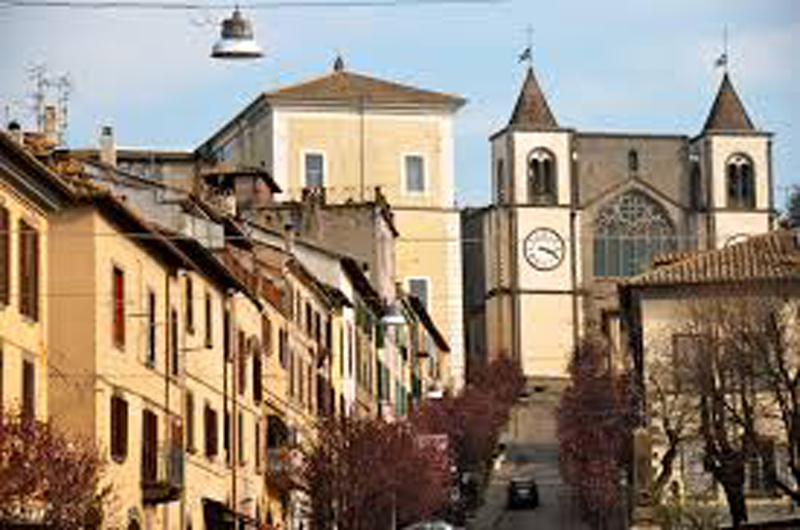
x: 573, y: 251
x: 234, y: 441
x: 167, y: 354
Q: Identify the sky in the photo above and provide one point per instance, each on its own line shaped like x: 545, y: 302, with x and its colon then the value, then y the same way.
x: 613, y: 65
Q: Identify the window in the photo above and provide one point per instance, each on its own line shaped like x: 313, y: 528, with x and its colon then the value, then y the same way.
x: 761, y: 470
x: 257, y: 369
x: 240, y: 439
x: 29, y: 270
x: 419, y: 287
x: 226, y: 436
x: 309, y: 320
x: 687, y: 353
x: 174, y: 345
x: 266, y: 335
x: 242, y: 362
x: 633, y: 161
x: 315, y: 170
x: 257, y: 448
x: 282, y: 347
x: 149, y: 446
x: 741, y: 191
x: 118, y: 319
x: 209, y: 327
x: 628, y: 232
x: 151, y: 329
x: 189, y: 422
x: 501, y: 182
x: 210, y: 427
x: 696, y: 199
x: 189, y: 306
x: 415, y: 173
x: 119, y: 428
x: 28, y: 389
x: 226, y: 334
x: 542, y: 177
x: 5, y: 256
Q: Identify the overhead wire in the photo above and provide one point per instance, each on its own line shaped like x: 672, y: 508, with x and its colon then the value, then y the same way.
x: 251, y: 6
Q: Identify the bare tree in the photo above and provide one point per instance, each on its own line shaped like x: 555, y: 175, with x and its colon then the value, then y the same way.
x: 47, y: 478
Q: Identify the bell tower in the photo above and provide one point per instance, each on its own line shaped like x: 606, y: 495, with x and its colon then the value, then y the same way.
x: 736, y: 164
x: 531, y: 237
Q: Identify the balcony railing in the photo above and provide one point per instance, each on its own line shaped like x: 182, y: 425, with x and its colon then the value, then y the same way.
x: 169, y: 477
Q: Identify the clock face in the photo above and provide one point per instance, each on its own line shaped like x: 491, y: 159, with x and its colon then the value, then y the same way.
x: 544, y: 249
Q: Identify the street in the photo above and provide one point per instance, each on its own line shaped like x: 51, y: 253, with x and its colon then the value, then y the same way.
x: 532, y: 431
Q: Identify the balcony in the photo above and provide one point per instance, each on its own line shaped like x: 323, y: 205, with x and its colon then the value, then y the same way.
x: 284, y: 465
x: 163, y: 482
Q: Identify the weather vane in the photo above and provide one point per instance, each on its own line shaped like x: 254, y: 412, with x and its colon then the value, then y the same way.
x: 527, y: 53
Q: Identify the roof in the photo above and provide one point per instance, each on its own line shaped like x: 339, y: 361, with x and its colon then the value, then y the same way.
x: 225, y: 178
x: 427, y: 321
x: 532, y: 110
x: 31, y: 177
x: 362, y: 285
x: 774, y: 256
x: 727, y: 112
x: 338, y: 298
x: 343, y: 86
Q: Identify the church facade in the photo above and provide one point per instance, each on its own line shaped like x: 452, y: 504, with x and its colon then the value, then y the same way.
x: 573, y: 213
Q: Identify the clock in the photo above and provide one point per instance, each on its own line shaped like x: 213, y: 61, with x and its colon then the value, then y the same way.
x: 544, y: 249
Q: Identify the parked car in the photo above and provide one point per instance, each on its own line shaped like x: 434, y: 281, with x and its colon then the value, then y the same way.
x: 523, y: 493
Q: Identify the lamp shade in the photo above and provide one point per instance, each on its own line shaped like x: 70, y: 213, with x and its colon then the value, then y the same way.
x: 236, y: 39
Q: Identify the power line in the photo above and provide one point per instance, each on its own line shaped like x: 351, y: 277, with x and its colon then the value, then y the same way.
x: 253, y: 6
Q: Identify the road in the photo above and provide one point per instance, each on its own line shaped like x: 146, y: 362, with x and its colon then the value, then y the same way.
x: 531, y: 430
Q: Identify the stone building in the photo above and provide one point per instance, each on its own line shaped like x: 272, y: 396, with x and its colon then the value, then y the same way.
x: 573, y: 212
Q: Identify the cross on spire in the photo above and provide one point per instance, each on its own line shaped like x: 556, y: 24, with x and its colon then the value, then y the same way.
x: 722, y: 60
x: 527, y: 53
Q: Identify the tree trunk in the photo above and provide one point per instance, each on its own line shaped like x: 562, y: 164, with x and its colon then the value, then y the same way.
x: 734, y: 494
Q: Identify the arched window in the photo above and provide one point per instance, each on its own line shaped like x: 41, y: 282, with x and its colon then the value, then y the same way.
x: 633, y: 161
x: 542, y: 177
x: 741, y: 189
x: 628, y: 232
x: 501, y: 182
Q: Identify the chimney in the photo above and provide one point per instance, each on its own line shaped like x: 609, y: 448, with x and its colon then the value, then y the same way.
x: 108, y: 150
x: 15, y: 132
x: 50, y: 125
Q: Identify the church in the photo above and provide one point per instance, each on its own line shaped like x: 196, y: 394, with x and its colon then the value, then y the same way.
x: 573, y: 213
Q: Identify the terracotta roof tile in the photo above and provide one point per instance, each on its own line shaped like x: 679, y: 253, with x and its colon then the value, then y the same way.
x: 727, y: 112
x: 532, y: 110
x: 342, y: 86
x: 771, y: 256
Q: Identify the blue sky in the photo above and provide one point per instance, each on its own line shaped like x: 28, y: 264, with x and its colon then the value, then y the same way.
x: 615, y: 65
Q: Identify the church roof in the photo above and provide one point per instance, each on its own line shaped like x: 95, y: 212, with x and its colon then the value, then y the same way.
x: 771, y: 256
x: 727, y: 112
x: 343, y: 86
x: 532, y: 110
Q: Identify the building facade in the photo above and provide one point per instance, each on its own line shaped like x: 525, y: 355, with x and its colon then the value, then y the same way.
x: 347, y: 134
x: 574, y: 212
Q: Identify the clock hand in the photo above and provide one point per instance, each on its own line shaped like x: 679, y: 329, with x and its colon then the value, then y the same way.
x: 550, y: 251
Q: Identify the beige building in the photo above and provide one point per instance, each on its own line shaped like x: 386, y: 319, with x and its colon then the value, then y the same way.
x: 29, y: 197
x: 574, y: 212
x: 348, y: 134
x: 660, y: 339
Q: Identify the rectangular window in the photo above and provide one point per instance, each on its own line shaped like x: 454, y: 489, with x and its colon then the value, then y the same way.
x: 174, y: 344
x: 189, y: 306
x: 315, y: 170
x: 415, y: 173
x: 226, y: 437
x: 419, y: 287
x: 257, y: 375
x: 149, y: 447
x: 118, y: 319
x: 209, y: 323
x: 189, y: 422
x: 240, y: 439
x: 257, y: 448
x: 309, y: 320
x: 266, y: 335
x: 282, y: 347
x: 151, y: 329
x: 242, y: 362
x: 28, y: 389
x: 226, y: 334
x: 29, y: 270
x: 5, y: 256
x: 119, y: 428
x: 211, y: 430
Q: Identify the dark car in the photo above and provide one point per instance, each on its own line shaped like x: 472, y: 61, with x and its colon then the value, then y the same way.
x: 523, y: 493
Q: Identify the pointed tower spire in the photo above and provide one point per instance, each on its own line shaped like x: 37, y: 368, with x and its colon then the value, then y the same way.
x: 727, y: 112
x: 532, y: 110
